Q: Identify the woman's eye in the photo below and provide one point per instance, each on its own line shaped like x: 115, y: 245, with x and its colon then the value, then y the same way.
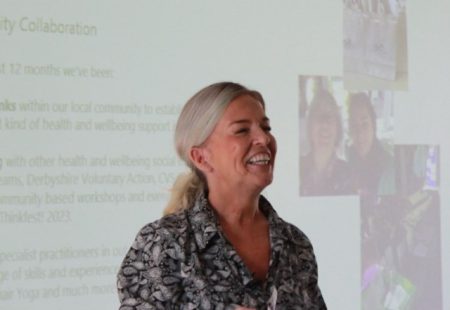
x: 242, y: 130
x: 267, y: 128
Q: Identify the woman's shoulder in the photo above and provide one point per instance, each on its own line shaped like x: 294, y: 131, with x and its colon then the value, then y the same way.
x: 283, y: 229
x: 166, y: 229
x: 151, y: 262
x: 157, y: 243
x: 297, y: 236
x: 297, y: 244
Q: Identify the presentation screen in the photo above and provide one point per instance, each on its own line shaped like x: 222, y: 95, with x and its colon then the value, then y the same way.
x: 356, y: 93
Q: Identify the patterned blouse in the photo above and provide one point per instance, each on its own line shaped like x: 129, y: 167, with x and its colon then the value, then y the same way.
x: 184, y: 261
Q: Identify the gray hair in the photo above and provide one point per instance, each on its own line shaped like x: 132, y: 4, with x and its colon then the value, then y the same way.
x: 196, y: 122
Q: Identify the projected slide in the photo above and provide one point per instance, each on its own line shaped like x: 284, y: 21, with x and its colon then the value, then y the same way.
x: 358, y: 100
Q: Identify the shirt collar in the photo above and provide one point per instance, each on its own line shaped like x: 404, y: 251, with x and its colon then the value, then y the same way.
x: 203, y: 221
x: 279, y: 233
x: 205, y: 224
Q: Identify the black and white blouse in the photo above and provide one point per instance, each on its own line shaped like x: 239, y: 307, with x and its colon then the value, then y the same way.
x: 184, y: 261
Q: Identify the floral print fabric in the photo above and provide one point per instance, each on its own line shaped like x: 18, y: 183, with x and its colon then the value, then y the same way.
x: 183, y: 261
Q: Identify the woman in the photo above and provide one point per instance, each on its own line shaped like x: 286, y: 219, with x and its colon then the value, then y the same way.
x: 221, y: 245
x: 321, y: 171
x: 372, y: 166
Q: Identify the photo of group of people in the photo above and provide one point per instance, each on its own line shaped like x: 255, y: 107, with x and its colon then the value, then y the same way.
x: 347, y: 148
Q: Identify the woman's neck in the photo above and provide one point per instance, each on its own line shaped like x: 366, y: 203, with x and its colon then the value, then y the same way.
x: 235, y: 208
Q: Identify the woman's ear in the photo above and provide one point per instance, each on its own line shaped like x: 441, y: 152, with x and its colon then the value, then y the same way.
x: 199, y: 157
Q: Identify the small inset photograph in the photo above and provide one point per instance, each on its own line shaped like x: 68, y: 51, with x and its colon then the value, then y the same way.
x: 345, y: 139
x: 400, y: 236
x: 375, y: 45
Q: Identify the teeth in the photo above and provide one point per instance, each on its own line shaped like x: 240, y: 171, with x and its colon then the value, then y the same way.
x: 259, y: 159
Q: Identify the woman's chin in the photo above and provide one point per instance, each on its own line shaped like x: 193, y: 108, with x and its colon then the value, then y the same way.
x: 264, y: 181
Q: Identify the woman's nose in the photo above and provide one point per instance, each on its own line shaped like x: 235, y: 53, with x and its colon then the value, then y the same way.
x: 262, y: 137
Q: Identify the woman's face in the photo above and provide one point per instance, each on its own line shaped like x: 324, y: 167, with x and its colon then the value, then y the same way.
x: 241, y: 150
x: 362, y: 130
x: 324, y: 129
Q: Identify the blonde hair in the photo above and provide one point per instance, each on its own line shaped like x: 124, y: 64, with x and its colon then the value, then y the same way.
x: 196, y: 122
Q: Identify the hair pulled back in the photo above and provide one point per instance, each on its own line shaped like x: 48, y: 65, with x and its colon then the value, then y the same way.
x: 196, y: 122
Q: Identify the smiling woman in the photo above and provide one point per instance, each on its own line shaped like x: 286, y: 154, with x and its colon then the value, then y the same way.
x: 322, y: 172
x: 243, y: 134
x: 221, y: 245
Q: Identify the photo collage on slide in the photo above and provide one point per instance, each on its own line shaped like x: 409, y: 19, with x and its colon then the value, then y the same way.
x: 375, y: 44
x: 347, y: 147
